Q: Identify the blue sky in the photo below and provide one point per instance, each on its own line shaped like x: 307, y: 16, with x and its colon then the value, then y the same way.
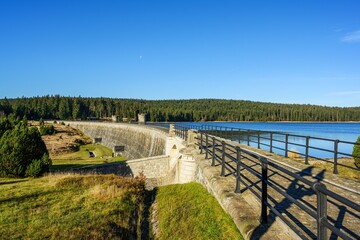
x: 272, y: 51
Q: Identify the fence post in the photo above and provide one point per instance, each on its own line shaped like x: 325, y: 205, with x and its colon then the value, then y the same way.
x: 239, y: 135
x: 271, y: 142
x: 264, y: 178
x: 307, y: 151
x: 238, y: 159
x: 286, y: 144
x: 258, y: 140
x: 207, y: 146
x: 201, y: 142
x: 223, y: 159
x: 336, y: 146
x: 248, y: 137
x: 321, y: 211
x: 213, y: 153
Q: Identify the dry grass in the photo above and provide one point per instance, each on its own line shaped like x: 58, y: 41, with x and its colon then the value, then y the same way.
x: 65, y: 140
x: 71, y: 207
x: 293, y: 154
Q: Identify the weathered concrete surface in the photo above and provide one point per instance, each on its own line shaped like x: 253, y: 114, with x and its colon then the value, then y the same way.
x: 161, y: 157
x: 157, y: 170
x: 139, y: 141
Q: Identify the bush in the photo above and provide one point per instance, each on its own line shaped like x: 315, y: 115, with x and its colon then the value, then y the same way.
x: 47, y: 130
x: 38, y: 167
x: 356, y: 153
x: 19, y: 148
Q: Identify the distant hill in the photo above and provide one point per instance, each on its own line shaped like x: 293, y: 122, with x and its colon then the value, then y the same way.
x: 58, y: 107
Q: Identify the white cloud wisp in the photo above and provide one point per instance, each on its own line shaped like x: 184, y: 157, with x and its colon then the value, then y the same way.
x: 352, y: 37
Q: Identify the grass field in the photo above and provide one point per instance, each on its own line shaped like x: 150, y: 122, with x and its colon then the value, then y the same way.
x: 71, y: 207
x: 81, y: 158
x: 107, y: 207
x: 188, y: 211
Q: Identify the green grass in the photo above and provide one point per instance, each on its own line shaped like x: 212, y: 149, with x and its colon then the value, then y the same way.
x: 81, y: 158
x: 71, y: 207
x: 188, y: 211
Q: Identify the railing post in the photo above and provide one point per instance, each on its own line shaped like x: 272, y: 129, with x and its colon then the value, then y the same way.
x: 248, y: 137
x: 223, y: 159
x: 258, y: 140
x: 321, y: 211
x: 207, y: 146
x: 286, y: 144
x: 238, y: 159
x: 271, y: 142
x: 201, y: 142
x: 307, y: 151
x: 213, y: 153
x: 336, y: 146
x: 264, y: 178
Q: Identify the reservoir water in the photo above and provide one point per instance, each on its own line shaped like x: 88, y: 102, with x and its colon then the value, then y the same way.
x: 348, y: 132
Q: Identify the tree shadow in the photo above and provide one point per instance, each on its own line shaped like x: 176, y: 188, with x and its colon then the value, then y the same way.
x: 298, y: 191
x: 14, y: 181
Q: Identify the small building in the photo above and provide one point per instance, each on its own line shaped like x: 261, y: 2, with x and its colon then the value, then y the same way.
x: 115, y: 118
x: 118, y: 150
x: 97, y: 140
x: 141, y: 118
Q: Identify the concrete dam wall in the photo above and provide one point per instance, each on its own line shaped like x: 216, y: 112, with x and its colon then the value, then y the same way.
x: 138, y: 141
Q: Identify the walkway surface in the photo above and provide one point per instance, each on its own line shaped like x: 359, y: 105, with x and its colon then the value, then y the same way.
x: 348, y: 220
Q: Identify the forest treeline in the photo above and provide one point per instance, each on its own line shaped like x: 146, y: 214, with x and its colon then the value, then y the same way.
x: 59, y: 107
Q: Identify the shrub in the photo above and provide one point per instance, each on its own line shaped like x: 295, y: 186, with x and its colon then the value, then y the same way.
x: 19, y: 148
x: 38, y: 167
x: 47, y: 130
x: 356, y: 153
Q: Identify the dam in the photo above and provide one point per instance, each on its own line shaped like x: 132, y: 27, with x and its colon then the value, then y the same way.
x: 268, y: 196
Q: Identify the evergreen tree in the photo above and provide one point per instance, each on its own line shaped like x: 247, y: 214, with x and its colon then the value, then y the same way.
x: 19, y: 148
x: 356, y: 153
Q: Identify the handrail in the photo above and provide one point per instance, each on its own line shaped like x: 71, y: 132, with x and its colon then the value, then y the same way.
x: 219, y: 150
x: 257, y: 137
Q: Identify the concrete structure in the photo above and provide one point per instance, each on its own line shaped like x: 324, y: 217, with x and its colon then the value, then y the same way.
x: 115, y: 118
x: 141, y: 118
x: 162, y: 158
x: 118, y: 151
x: 97, y: 140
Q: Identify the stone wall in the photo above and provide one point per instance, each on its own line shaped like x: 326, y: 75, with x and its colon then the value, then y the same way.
x: 162, y: 158
x: 139, y: 141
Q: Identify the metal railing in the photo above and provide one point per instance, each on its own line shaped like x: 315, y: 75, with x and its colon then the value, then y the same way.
x: 231, y: 157
x: 281, y: 143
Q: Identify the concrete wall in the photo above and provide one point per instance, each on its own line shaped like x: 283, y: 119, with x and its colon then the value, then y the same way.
x: 163, y: 158
x: 139, y: 141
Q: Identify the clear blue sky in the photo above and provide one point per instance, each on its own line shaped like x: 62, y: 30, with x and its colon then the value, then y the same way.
x: 273, y: 51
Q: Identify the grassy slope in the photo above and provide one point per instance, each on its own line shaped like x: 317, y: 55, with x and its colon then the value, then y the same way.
x: 70, y: 207
x: 188, y: 211
x: 81, y: 158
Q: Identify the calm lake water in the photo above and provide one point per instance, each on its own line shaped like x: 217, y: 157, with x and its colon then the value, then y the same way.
x: 342, y: 131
